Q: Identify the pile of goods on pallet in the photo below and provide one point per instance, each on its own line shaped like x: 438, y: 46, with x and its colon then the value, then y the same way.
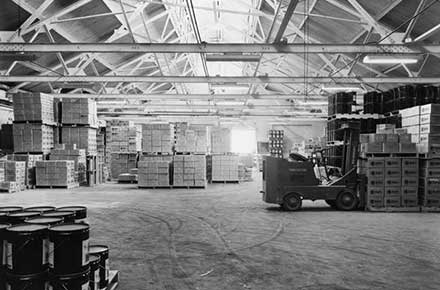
x: 220, y: 140
x: 225, y: 168
x: 78, y: 156
x: 154, y: 171
x: 48, y: 247
x: 189, y: 170
x: 30, y: 163
x: 56, y: 173
x: 276, y: 143
x: 157, y: 138
x: 6, y: 138
x: 190, y: 138
x: 12, y: 176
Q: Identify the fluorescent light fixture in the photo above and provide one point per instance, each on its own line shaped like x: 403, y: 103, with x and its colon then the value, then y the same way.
x: 75, y: 85
x: 390, y: 59
x: 340, y: 88
x: 17, y: 56
x: 233, y: 57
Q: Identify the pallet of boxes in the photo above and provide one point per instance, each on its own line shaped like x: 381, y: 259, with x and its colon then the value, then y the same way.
x: 155, y: 164
x: 391, y: 165
x: 224, y: 164
x: 423, y: 123
x: 123, y: 140
x: 33, y: 132
x: 189, y: 164
x: 79, y: 132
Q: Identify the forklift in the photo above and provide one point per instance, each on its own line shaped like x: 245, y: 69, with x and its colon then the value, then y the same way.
x: 288, y: 182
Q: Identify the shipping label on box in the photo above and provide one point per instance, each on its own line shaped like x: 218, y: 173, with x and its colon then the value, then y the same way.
x: 392, y: 191
x: 391, y: 162
x: 376, y: 162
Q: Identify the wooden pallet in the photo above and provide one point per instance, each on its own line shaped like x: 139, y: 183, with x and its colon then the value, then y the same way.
x: 113, y: 281
x: 225, y: 181
x: 79, y: 125
x: 354, y: 116
x: 393, y: 209
x: 156, y: 153
x: 68, y: 186
x: 429, y: 209
x: 172, y: 187
x: 382, y: 154
x: 40, y: 122
x: 190, y: 153
x: 127, y: 181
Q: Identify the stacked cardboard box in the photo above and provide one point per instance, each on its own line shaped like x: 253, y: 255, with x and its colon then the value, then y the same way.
x: 225, y: 167
x: 392, y: 182
x: 56, y: 173
x: 157, y: 138
x: 78, y: 156
x: 423, y: 123
x: 387, y: 139
x: 124, y: 139
x: 191, y: 138
x: 122, y: 163
x: 79, y: 111
x: 276, y: 143
x: 429, y: 190
x: 14, y: 175
x: 30, y: 161
x: 83, y: 137
x: 189, y: 170
x: 31, y: 137
x: 220, y: 140
x: 33, y: 107
x: 153, y: 173
x: 244, y: 173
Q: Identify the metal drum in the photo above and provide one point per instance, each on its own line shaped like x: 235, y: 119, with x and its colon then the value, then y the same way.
x: 9, y: 209
x: 41, y: 209
x: 71, y: 282
x: 80, y: 211
x: 3, y: 228
x: 68, y: 216
x: 26, y: 249
x: 16, y: 218
x: 94, y: 272
x: 48, y: 221
x: 104, y: 265
x: 69, y: 249
x: 29, y: 282
x: 3, y: 217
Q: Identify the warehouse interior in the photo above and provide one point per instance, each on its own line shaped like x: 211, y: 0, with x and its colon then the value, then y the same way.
x: 194, y: 144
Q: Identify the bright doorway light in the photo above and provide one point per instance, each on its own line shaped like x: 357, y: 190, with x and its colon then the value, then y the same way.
x: 243, y: 140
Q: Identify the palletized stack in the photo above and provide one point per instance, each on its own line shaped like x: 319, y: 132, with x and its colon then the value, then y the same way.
x: 429, y: 190
x: 14, y: 175
x: 423, y: 123
x: 79, y: 118
x: 220, y: 140
x: 54, y: 173
x: 276, y: 143
x: 189, y: 170
x: 225, y: 168
x: 154, y: 172
x: 244, y: 173
x: 125, y: 139
x: 78, y: 156
x: 157, y: 138
x: 387, y: 139
x: 122, y: 163
x: 33, y: 127
x: 190, y: 138
x: 30, y: 162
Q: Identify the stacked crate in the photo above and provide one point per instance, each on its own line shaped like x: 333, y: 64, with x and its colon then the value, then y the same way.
x: 30, y: 161
x: 276, y: 143
x: 33, y: 128
x: 56, y: 173
x: 225, y: 168
x: 387, y: 139
x: 154, y: 173
x: 80, y: 121
x: 189, y: 170
x: 157, y: 138
x: 423, y: 123
x: 220, y: 140
x: 190, y: 138
x: 122, y: 163
x: 14, y: 175
x: 78, y: 156
x: 125, y: 139
x: 429, y: 190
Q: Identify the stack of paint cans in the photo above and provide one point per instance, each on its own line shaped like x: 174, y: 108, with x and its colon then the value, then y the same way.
x: 47, y: 248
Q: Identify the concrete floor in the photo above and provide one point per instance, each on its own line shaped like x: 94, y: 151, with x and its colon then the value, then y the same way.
x: 225, y: 237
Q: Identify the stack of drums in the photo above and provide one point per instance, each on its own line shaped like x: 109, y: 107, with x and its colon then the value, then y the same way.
x: 80, y: 212
x: 26, y: 257
x: 69, y: 256
x: 41, y: 209
x: 3, y: 228
x: 67, y: 216
x: 102, y: 252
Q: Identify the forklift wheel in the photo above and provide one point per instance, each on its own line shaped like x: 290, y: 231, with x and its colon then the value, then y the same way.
x: 346, y: 200
x: 331, y: 203
x: 292, y: 202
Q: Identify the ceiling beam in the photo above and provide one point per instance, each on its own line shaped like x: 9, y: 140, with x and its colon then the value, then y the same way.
x: 225, y: 80
x: 286, y: 20
x: 292, y: 48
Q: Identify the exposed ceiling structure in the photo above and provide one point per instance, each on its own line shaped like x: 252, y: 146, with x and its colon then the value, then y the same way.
x: 214, y: 60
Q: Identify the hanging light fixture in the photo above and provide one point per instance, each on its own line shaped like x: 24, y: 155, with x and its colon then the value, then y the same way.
x: 390, y: 59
